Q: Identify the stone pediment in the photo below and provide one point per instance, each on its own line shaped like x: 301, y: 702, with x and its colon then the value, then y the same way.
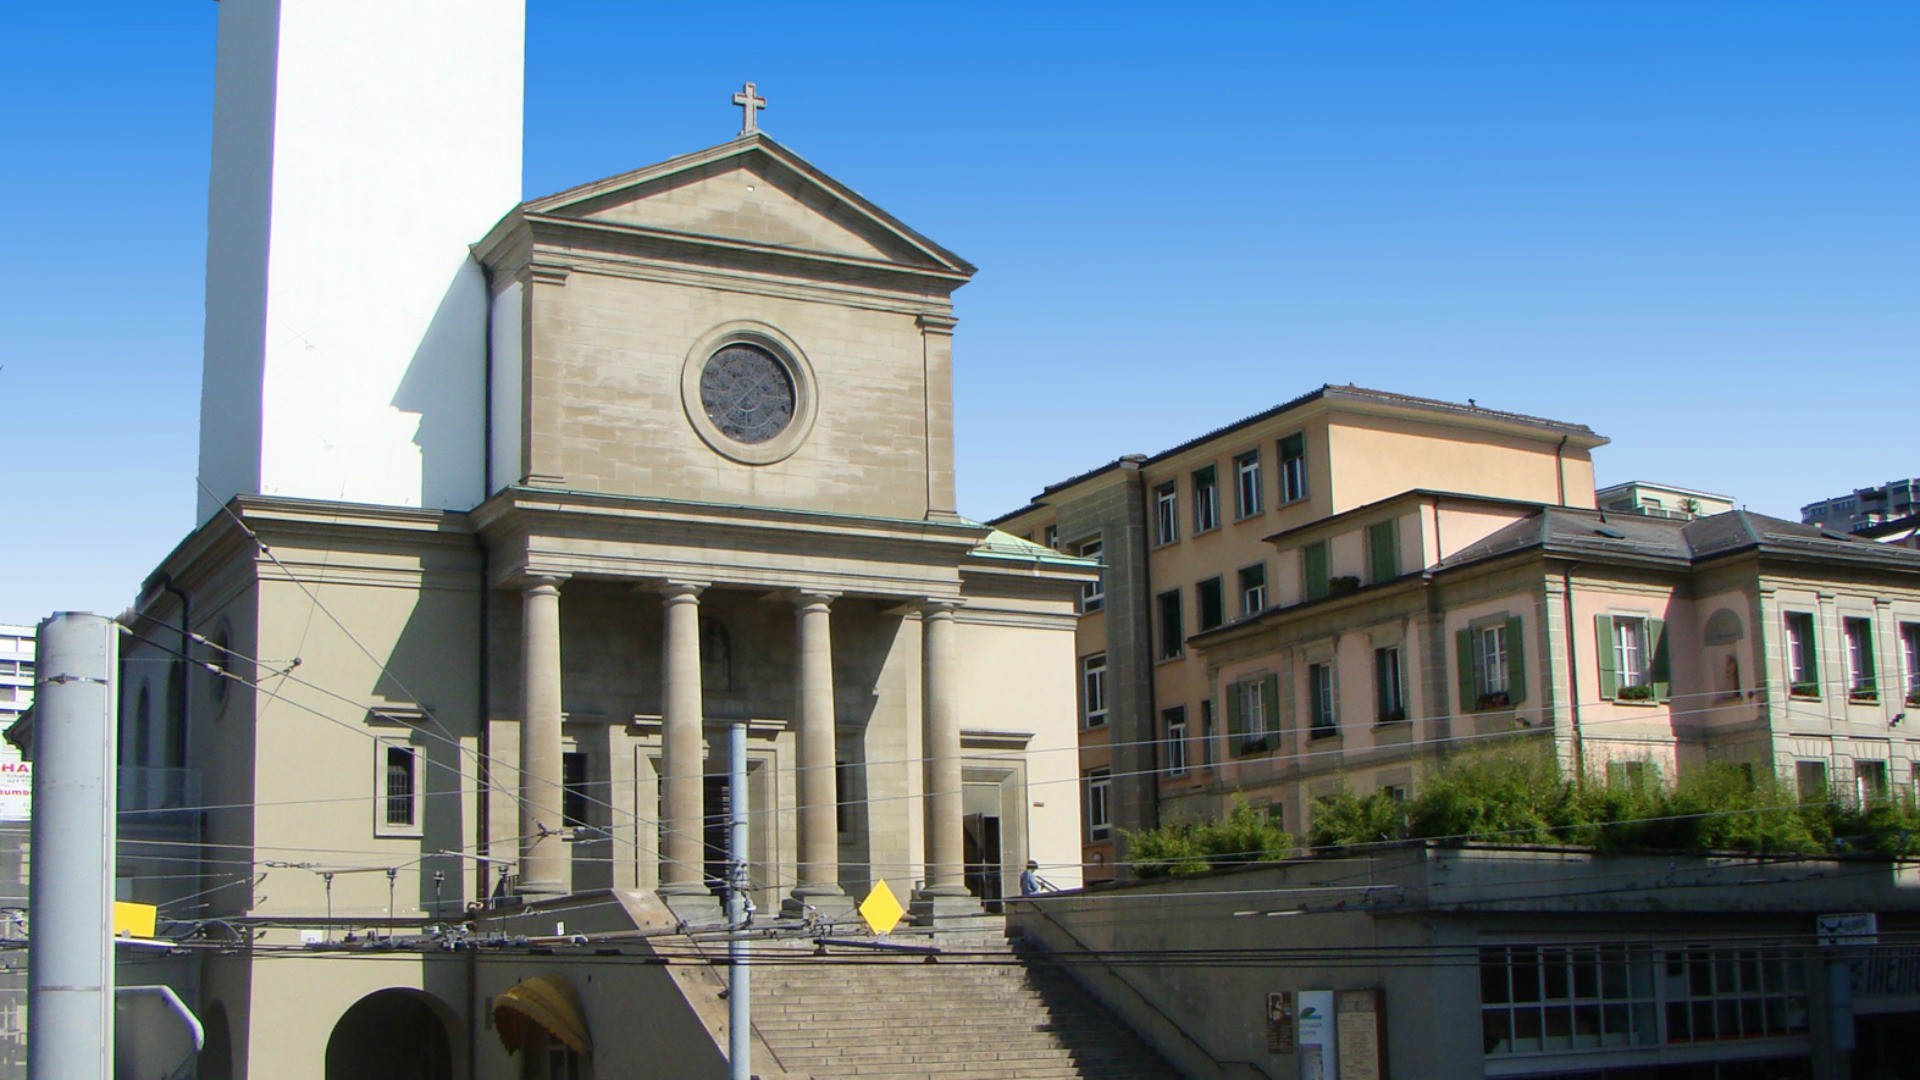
x: 753, y: 193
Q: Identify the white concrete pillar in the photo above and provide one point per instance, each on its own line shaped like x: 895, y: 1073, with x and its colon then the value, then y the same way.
x: 682, y: 745
x: 819, y: 847
x: 940, y: 681
x: 545, y: 867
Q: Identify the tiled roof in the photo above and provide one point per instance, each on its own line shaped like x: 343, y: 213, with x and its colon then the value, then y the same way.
x: 1633, y: 537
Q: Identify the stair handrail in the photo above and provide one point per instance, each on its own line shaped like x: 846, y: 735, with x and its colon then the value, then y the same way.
x: 1220, y: 1065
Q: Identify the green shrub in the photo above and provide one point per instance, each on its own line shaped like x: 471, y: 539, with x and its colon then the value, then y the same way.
x: 1179, y: 848
x: 1349, y: 820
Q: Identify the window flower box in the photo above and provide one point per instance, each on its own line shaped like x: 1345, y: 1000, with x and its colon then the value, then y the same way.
x: 1344, y: 585
x: 1495, y: 700
x: 1636, y: 692
x: 1805, y: 690
x: 1394, y: 716
x: 1913, y: 698
x: 1863, y: 697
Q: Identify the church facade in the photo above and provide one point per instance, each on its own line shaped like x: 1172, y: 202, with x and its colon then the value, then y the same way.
x: 676, y: 454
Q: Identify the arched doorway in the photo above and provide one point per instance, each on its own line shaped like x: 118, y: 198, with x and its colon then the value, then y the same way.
x: 216, y: 1048
x: 394, y: 1034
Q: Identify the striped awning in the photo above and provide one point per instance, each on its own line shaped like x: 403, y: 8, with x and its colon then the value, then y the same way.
x: 547, y: 1001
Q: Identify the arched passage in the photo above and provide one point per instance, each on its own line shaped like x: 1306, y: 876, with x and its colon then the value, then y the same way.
x: 216, y: 1049
x: 393, y: 1034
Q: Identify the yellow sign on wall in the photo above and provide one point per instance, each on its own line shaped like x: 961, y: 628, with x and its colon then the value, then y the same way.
x: 133, y: 920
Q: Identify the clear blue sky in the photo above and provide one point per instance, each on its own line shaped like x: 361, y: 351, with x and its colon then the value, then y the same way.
x: 1693, y: 226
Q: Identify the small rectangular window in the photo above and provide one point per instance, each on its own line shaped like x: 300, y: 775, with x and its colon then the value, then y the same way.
x: 1320, y: 701
x: 1861, y: 684
x: 1630, y: 652
x: 1166, y: 514
x: 1389, y: 702
x: 1493, y: 660
x: 1870, y: 782
x: 1253, y: 590
x: 1803, y: 658
x: 1206, y: 500
x: 1293, y: 468
x: 1093, y: 595
x: 1093, y: 689
x: 1810, y: 780
x: 573, y: 790
x: 1099, y: 815
x: 1209, y: 605
x: 1910, y: 646
x: 1053, y: 537
x: 1173, y: 631
x: 1246, y: 472
x: 1253, y: 714
x: 1175, y: 757
x: 1206, y: 733
x: 1383, y: 552
x: 400, y: 777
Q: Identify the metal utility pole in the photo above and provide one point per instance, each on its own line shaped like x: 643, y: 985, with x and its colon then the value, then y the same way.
x: 70, y: 898
x: 739, y: 979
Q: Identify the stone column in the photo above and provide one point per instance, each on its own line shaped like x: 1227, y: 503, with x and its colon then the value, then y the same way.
x: 940, y: 681
x: 819, y: 846
x: 682, y: 733
x: 545, y: 867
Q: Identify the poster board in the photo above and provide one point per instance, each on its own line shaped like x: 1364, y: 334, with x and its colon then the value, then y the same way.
x: 1360, y: 1035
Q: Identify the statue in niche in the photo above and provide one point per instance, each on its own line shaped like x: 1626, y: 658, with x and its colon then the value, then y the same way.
x: 716, y: 657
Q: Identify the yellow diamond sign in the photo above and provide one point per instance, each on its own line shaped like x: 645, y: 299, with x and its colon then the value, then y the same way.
x: 881, y: 910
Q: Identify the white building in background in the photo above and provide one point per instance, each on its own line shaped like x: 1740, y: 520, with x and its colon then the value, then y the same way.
x: 16, y: 679
x: 16, y: 787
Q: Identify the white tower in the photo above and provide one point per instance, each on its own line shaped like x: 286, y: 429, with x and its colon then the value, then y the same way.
x: 359, y: 147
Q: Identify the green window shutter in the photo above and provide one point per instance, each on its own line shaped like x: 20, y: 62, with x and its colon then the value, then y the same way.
x: 1236, y: 723
x: 1609, y: 663
x: 1660, y: 670
x: 1465, y: 654
x: 1866, y: 658
x: 1314, y: 559
x: 1385, y: 551
x: 1516, y: 662
x: 1270, y: 697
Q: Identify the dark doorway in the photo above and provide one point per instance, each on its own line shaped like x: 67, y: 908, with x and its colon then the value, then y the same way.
x: 1886, y: 1046
x: 392, y: 1034
x: 983, y: 858
x: 719, y: 807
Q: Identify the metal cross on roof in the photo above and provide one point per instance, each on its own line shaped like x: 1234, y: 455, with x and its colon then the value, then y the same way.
x: 750, y: 106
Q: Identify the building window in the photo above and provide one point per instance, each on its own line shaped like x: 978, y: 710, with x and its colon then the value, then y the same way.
x: 1206, y: 500
x: 1543, y: 998
x: 1172, y: 628
x: 1492, y: 664
x: 1293, y: 468
x: 1810, y: 781
x: 1383, y: 552
x: 1053, y: 537
x: 1803, y: 656
x: 563, y: 1063
x: 400, y: 791
x: 1313, y: 570
x: 1099, y: 813
x: 1861, y: 685
x: 1390, y: 705
x: 1253, y: 590
x: 1166, y: 514
x: 1209, y: 604
x: 1320, y: 700
x: 1870, y: 782
x: 1246, y: 475
x: 573, y: 790
x: 1176, y: 751
x: 1093, y: 689
x: 1633, y: 657
x: 1630, y: 653
x: 1252, y: 715
x: 1093, y: 595
x: 1206, y: 734
x: 1910, y: 645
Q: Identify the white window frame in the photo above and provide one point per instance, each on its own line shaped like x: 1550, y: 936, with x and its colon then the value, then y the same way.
x: 1293, y: 473
x: 1396, y: 685
x: 1177, y: 743
x: 1093, y: 595
x: 1246, y: 479
x: 1492, y: 642
x: 382, y: 797
x: 1099, y: 805
x: 1910, y: 648
x: 1864, y: 768
x: 1858, y: 632
x: 1324, y: 713
x: 1206, y: 499
x: 1632, y: 664
x: 1253, y: 710
x: 1166, y: 514
x: 1802, y: 628
x: 1252, y: 600
x: 1053, y: 537
x: 1093, y: 690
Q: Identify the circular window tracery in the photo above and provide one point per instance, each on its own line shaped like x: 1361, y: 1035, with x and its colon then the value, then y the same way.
x: 747, y: 393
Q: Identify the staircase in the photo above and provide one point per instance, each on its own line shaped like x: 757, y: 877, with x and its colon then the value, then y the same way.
x: 983, y: 1011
